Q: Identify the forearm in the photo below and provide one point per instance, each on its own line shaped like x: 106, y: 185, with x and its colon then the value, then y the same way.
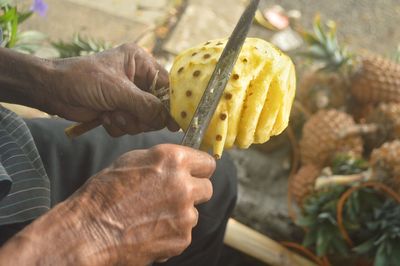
x: 24, y: 79
x: 53, y: 239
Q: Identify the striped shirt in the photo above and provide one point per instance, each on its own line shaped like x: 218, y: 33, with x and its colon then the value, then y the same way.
x: 24, y: 185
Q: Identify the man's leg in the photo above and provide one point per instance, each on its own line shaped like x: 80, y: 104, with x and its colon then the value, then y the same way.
x: 70, y: 162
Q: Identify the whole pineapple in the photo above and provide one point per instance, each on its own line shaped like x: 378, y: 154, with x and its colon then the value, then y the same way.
x: 375, y: 79
x: 371, y: 78
x: 323, y: 137
x: 302, y: 184
x: 385, y: 162
x: 322, y: 90
x: 387, y: 117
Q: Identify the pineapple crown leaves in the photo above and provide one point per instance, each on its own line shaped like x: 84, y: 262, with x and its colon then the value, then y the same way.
x: 319, y: 217
x: 79, y: 46
x: 348, y: 164
x: 383, y: 242
x: 323, y: 46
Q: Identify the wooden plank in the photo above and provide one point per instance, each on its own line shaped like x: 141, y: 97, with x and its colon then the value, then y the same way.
x: 259, y: 246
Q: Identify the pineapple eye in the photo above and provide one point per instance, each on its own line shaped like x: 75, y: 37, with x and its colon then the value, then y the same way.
x: 235, y: 76
x: 196, y: 73
x: 222, y: 116
x: 183, y: 114
x: 188, y: 93
x: 180, y: 69
x: 244, y: 60
x: 206, y: 56
x: 218, y: 137
x: 228, y: 96
x: 217, y: 157
x: 207, y: 43
x: 219, y: 43
x: 194, y: 54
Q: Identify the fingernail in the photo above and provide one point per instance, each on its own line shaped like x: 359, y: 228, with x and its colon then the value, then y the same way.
x: 121, y: 120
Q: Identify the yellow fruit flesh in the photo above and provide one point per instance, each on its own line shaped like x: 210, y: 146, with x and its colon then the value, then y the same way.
x: 257, y: 99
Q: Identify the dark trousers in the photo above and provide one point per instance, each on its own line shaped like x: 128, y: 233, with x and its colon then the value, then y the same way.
x: 69, y: 163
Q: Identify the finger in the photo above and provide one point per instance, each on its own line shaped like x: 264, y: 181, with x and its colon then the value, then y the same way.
x: 128, y: 123
x: 202, y: 190
x: 162, y: 260
x: 73, y: 113
x: 146, y: 107
x: 146, y: 68
x: 196, y: 214
x: 201, y: 164
x: 172, y: 125
x: 112, y: 129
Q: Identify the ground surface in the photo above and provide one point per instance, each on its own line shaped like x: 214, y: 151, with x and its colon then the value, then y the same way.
x: 370, y: 24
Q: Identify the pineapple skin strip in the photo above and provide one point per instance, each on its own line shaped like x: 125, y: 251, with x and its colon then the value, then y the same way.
x: 254, y: 103
x: 287, y: 81
x: 269, y: 113
x: 272, y: 105
x: 248, y: 66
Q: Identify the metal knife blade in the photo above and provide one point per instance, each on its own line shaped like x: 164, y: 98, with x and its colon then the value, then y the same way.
x: 219, y: 78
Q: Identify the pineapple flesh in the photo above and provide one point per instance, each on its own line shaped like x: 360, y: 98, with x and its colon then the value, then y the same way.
x: 257, y: 99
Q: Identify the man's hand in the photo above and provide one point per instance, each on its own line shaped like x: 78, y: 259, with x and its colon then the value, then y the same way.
x: 113, y: 86
x: 139, y: 210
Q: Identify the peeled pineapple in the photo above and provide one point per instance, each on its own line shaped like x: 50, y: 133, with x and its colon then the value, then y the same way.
x: 257, y: 99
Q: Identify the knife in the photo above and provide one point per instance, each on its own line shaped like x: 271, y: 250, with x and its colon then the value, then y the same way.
x: 214, y: 90
x: 219, y: 78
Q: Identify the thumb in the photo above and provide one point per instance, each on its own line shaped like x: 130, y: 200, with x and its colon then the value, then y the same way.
x: 146, y: 107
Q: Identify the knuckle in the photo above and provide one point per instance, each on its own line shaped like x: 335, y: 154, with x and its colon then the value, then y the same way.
x: 159, y: 152
x: 186, y: 192
x: 208, y: 190
x: 128, y: 47
x: 171, y: 155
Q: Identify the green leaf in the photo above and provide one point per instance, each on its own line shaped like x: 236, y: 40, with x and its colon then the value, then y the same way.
x: 26, y: 48
x: 380, y: 257
x: 4, y: 2
x: 323, y: 241
x: 27, y: 37
x: 318, y: 30
x: 310, y: 238
x: 24, y: 16
x: 365, y: 247
x: 14, y: 28
x: 305, y: 221
x: 8, y: 15
x: 340, y: 246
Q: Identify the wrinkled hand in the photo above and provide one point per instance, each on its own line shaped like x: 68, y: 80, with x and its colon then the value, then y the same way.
x: 111, y: 86
x: 141, y: 209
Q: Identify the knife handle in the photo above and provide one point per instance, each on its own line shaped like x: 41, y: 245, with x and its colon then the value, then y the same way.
x: 78, y: 129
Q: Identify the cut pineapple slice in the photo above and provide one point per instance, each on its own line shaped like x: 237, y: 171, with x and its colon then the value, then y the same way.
x: 257, y: 99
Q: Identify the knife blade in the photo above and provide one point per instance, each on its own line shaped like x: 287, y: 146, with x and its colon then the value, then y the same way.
x: 219, y: 78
